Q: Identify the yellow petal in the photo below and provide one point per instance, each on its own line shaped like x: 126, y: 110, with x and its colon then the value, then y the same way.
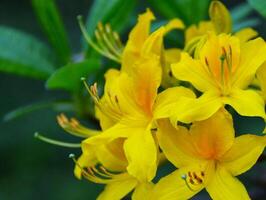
x: 141, y: 31
x: 168, y: 99
x: 214, y: 136
x: 146, y: 80
x: 176, y: 144
x: 116, y: 190
x: 116, y: 131
x: 143, y: 191
x: 190, y: 110
x: 261, y: 75
x: 136, y: 39
x: 85, y: 160
x: 192, y: 71
x: 112, y: 155
x: 246, y: 102
x: 174, y: 187
x: 174, y: 24
x: 252, y: 57
x: 153, y: 45
x: 224, y: 186
x: 169, y: 57
x: 243, y: 154
x: 246, y: 34
x: 141, y: 152
x: 220, y: 17
x: 200, y: 30
x: 121, y: 97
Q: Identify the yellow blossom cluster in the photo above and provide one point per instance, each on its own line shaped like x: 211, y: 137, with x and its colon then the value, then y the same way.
x: 148, y: 117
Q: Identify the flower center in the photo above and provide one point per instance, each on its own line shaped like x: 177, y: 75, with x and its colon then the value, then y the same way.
x: 193, y: 179
x: 221, y: 69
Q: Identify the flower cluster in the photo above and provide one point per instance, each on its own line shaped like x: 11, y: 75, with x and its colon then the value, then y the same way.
x: 169, y: 104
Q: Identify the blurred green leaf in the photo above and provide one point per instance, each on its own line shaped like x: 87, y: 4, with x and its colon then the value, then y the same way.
x: 259, y: 5
x: 68, y: 77
x: 241, y: 17
x: 241, y: 12
x: 24, y: 55
x: 24, y: 110
x: 115, y: 12
x: 250, y: 22
x: 53, y: 27
x: 190, y: 11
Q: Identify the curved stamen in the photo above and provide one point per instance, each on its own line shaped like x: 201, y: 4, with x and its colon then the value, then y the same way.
x: 108, y: 42
x: 194, y: 179
x: 73, y: 127
x: 56, y: 142
x: 95, y: 175
x: 114, y: 111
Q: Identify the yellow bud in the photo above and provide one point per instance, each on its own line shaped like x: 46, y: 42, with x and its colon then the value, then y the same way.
x: 220, y: 17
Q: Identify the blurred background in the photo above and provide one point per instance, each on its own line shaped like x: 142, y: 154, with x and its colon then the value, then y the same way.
x: 31, y: 169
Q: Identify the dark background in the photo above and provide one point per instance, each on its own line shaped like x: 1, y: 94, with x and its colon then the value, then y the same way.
x: 30, y: 169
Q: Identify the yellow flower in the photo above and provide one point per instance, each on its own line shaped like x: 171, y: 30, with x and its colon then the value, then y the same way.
x: 106, y: 164
x: 129, y: 106
x: 220, y: 22
x: 135, y: 46
x: 208, y: 156
x: 223, y: 71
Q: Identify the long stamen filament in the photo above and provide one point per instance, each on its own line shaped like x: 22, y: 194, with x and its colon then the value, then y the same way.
x: 56, y: 142
x: 92, y: 172
x: 108, y: 44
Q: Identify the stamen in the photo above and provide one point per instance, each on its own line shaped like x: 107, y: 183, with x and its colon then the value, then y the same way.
x: 92, y: 90
x: 95, y: 175
x: 153, y: 130
x: 103, y: 106
x: 73, y: 127
x: 208, y: 66
x: 193, y: 179
x: 56, y: 142
x: 108, y: 42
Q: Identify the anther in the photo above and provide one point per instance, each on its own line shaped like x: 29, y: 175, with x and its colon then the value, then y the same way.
x: 206, y: 62
x: 116, y: 99
x: 170, y: 73
x: 224, y: 51
x: 154, y: 130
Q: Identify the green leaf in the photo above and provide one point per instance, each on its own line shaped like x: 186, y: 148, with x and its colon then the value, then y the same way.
x: 190, y: 11
x: 259, y: 5
x: 68, y: 77
x: 115, y: 12
x: 250, y: 22
x: 22, y: 54
x: 241, y: 17
x: 53, y: 27
x: 24, y: 110
x: 241, y: 12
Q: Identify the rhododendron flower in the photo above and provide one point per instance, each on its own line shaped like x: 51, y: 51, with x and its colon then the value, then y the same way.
x: 223, y: 71
x: 208, y: 156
